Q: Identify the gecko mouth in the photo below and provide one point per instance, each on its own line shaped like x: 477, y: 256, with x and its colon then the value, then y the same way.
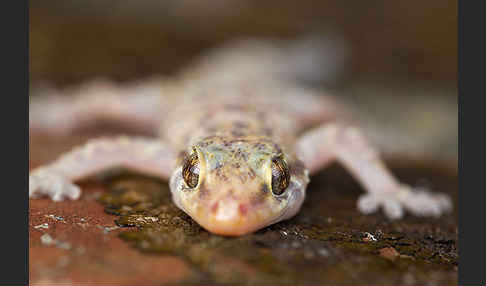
x: 231, y: 217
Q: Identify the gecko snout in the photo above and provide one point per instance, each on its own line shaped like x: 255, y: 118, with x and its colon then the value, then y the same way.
x: 228, y: 209
x: 229, y: 216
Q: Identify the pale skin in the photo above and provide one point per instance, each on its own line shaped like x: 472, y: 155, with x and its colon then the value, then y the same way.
x: 237, y: 152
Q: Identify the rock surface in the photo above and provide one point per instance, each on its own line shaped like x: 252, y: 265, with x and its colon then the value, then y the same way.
x: 126, y: 231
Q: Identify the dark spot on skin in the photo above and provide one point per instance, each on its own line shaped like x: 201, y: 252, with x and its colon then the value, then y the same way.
x: 267, y: 141
x: 241, y: 154
x: 237, y: 133
x: 208, y: 138
x: 268, y: 131
x: 206, y: 143
x: 230, y: 193
x: 221, y: 175
x: 251, y: 174
x: 264, y: 189
x: 259, y: 146
x: 277, y: 148
x: 236, y: 153
x: 203, y: 192
x: 259, y: 198
x: 240, y: 125
x: 224, y: 178
x: 218, y: 165
x: 242, y: 178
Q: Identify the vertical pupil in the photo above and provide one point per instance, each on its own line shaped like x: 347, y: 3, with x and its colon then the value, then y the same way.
x: 190, y: 170
x: 280, y: 176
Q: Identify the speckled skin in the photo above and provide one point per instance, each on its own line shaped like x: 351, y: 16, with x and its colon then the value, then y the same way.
x: 238, y: 131
x: 236, y: 145
x: 237, y: 109
x: 236, y: 138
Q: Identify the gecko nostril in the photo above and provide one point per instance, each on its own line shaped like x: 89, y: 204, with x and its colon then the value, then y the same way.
x: 214, y: 207
x: 243, y: 208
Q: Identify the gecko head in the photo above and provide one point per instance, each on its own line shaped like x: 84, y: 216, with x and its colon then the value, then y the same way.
x: 237, y: 186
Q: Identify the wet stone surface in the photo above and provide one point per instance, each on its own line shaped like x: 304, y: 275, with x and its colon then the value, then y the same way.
x: 328, y: 242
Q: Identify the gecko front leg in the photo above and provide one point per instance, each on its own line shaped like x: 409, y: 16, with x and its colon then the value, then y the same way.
x: 144, y: 155
x: 346, y: 144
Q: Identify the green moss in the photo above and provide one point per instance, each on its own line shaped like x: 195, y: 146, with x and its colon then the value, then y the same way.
x: 327, y: 240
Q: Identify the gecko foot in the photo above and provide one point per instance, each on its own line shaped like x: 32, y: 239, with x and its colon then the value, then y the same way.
x: 45, y: 181
x: 418, y: 202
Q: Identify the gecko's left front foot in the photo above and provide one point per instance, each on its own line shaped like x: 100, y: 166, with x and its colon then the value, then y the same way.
x: 418, y: 202
x: 44, y: 181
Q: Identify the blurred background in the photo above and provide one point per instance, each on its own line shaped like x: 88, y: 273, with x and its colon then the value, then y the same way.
x: 73, y: 40
x: 400, y: 40
x: 401, y: 67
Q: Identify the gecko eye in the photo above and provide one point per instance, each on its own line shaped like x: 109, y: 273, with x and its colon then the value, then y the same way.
x: 280, y: 176
x: 190, y: 170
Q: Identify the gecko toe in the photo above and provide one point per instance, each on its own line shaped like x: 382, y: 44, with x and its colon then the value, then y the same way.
x: 57, y: 197
x: 46, y: 182
x: 33, y: 187
x: 73, y: 192
x: 423, y: 203
x: 368, y: 203
x: 445, y: 202
x: 393, y: 209
x: 418, y: 202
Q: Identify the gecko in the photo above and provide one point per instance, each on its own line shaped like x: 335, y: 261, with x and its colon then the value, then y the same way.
x: 236, y: 135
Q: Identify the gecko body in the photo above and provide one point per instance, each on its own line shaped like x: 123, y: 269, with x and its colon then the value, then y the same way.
x: 237, y: 149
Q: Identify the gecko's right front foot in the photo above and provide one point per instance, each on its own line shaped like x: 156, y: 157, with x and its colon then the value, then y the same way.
x: 45, y: 181
x: 419, y: 202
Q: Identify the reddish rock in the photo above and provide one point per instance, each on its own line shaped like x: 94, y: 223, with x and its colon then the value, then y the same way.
x: 389, y: 253
x: 84, y: 250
